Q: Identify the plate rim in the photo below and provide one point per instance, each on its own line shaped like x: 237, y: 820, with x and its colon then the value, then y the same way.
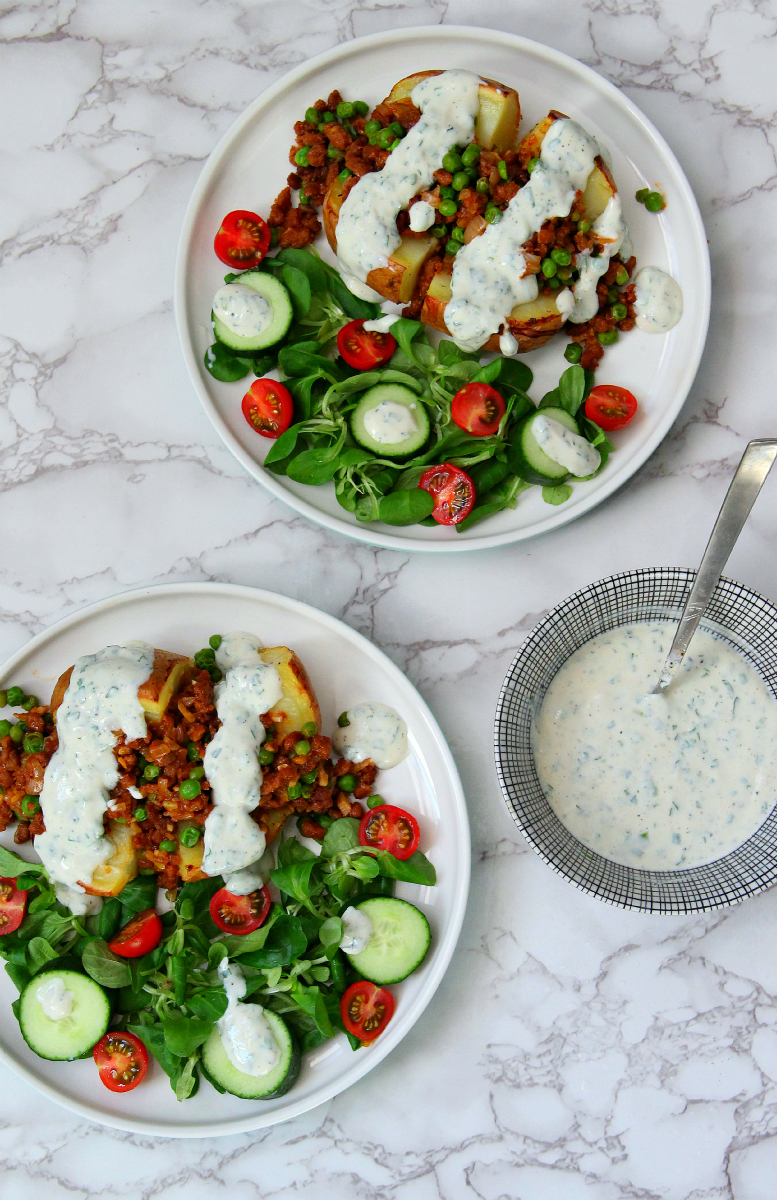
x: 554, y: 520
x: 461, y: 864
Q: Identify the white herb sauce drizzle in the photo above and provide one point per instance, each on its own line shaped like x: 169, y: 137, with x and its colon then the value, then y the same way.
x: 663, y: 781
x: 250, y: 688
x: 658, y: 301
x: 101, y: 699
x: 421, y: 216
x: 244, y: 1030
x: 357, y: 930
x: 367, y: 223
x: 242, y: 309
x: 56, y: 1002
x: 374, y: 731
x: 389, y: 422
x: 568, y: 449
x: 381, y: 324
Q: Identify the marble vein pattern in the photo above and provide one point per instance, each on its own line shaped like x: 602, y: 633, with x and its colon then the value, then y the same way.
x: 573, y: 1052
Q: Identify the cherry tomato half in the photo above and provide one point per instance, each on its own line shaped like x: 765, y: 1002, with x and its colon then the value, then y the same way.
x: 366, y: 1010
x: 478, y: 409
x: 268, y: 407
x: 122, y: 1060
x: 364, y: 349
x: 610, y: 407
x: 453, y: 492
x: 242, y: 239
x: 389, y: 828
x: 240, y: 914
x: 139, y: 936
x: 13, y: 904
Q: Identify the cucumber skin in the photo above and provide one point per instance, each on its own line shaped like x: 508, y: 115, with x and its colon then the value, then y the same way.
x: 288, y: 1081
x: 87, y: 1053
x: 251, y: 346
x: 385, y: 980
x: 518, y: 461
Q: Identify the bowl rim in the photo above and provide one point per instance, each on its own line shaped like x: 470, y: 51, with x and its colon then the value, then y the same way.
x: 509, y: 687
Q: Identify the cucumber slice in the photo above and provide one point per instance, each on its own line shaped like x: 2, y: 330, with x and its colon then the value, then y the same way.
x: 526, y: 458
x: 399, y: 941
x: 271, y: 290
x: 70, y: 1037
x: 219, y: 1071
x: 390, y: 420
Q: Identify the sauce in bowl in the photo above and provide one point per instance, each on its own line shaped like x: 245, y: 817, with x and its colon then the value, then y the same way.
x: 658, y: 782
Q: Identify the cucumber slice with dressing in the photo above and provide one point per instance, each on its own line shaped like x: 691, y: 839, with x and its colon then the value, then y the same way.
x: 390, y: 420
x: 225, y: 1077
x: 273, y: 313
x: 398, y: 943
x: 528, y: 460
x: 74, y: 1034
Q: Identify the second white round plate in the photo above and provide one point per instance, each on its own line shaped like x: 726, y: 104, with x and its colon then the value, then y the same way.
x: 344, y: 668
x: 249, y: 167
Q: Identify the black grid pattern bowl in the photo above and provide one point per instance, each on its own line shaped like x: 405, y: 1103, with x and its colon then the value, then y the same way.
x: 741, y: 617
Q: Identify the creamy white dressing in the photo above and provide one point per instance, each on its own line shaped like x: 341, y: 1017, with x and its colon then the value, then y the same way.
x: 250, y: 688
x: 566, y: 448
x: 663, y: 781
x: 101, y: 699
x: 422, y: 216
x: 76, y: 899
x: 357, y: 930
x: 565, y: 302
x: 382, y: 324
x: 367, y: 224
x: 389, y: 422
x: 242, y: 309
x: 244, y: 1030
x: 508, y: 345
x: 359, y: 288
x: 54, y: 999
x: 658, y: 301
x: 374, y: 731
x: 242, y: 883
x: 610, y: 229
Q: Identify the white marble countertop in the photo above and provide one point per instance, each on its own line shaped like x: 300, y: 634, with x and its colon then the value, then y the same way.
x: 573, y: 1052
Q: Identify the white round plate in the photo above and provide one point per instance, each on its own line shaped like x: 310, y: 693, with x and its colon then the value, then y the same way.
x: 249, y: 167
x: 345, y: 668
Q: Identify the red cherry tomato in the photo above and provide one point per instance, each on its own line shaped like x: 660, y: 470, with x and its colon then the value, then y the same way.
x: 13, y: 904
x: 453, y: 491
x: 478, y: 409
x: 366, y: 1010
x: 242, y: 240
x: 240, y: 914
x: 389, y: 828
x: 364, y: 349
x: 610, y: 407
x: 268, y: 407
x: 139, y: 936
x: 122, y: 1060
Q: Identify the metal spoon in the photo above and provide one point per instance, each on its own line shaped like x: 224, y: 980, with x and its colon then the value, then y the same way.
x: 749, y: 479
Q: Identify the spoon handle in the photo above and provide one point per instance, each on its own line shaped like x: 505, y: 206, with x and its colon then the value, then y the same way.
x: 747, y: 482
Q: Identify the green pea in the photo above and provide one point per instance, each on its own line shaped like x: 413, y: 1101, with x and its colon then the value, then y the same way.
x: 622, y: 276
x: 345, y: 110
x: 619, y: 312
x: 169, y: 846
x: 295, y: 791
x: 483, y: 186
x: 303, y: 198
x: 452, y: 247
x: 192, y: 753
x: 302, y: 747
x: 457, y: 234
x: 583, y: 226
x: 452, y: 162
x: 189, y: 789
x: 269, y: 733
x: 384, y: 138
x: 560, y: 256
x: 460, y: 180
x: 531, y: 164
x: 151, y: 772
x: 493, y: 215
x: 374, y: 801
x: 642, y: 195
x: 190, y: 835
x: 565, y: 273
x: 471, y: 155
x: 312, y: 116
x: 501, y: 167
x: 343, y: 720
x: 30, y: 806
x: 448, y: 208
x: 608, y: 337
x: 447, y: 193
x: 548, y: 268
x: 309, y: 729
x: 33, y: 743
x: 301, y: 157
x: 361, y: 108
x: 347, y: 783
x: 215, y: 640
x: 140, y: 814
x: 266, y: 757
x: 394, y: 145
x: 397, y: 129
x: 573, y: 353
x: 215, y: 674
x: 15, y: 695
x: 311, y: 776
x: 197, y: 773
x: 371, y: 127
x: 327, y: 117
x: 438, y: 231
x: 655, y: 202
x: 333, y: 152
x: 613, y: 295
x: 553, y: 283
x: 344, y: 174
x: 18, y: 732
x: 5, y: 728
